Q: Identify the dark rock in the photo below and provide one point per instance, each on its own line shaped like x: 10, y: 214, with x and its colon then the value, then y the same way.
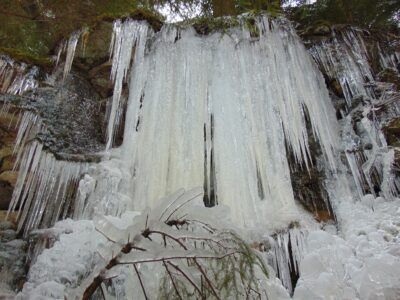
x: 4, y: 225
x: 368, y: 146
x: 72, y: 113
x: 6, y: 191
x: 100, y: 79
x: 392, y: 132
x: 308, y: 185
x: 7, y: 235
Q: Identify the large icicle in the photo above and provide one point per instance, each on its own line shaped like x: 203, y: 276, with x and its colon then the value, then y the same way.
x: 45, y: 186
x: 126, y: 36
x: 69, y: 48
x: 216, y: 111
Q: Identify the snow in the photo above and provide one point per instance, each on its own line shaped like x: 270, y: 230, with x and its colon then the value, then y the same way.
x: 61, y: 266
x: 362, y: 262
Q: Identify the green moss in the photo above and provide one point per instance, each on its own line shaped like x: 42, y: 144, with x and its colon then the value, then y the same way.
x: 27, y: 57
x: 207, y: 25
x: 155, y: 20
x: 31, y: 31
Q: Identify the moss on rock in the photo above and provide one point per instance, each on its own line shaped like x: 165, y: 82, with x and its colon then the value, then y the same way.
x: 31, y: 31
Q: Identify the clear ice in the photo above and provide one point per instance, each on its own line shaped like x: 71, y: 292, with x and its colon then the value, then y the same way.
x: 219, y: 112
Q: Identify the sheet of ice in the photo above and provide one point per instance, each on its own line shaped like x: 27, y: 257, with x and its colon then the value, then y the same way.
x: 217, y: 111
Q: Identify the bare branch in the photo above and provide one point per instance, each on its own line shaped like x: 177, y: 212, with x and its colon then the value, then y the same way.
x: 141, y: 282
x: 207, y: 279
x: 172, y: 280
x: 186, y: 276
x: 183, y: 204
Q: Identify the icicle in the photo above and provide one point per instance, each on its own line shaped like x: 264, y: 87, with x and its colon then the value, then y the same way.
x: 16, y: 78
x: 214, y: 111
x: 126, y: 36
x: 345, y: 59
x: 71, y: 47
x: 45, y: 186
x: 286, y: 252
x: 390, y: 184
x: 388, y: 60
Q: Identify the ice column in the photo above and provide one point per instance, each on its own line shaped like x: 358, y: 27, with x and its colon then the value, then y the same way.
x: 127, y: 36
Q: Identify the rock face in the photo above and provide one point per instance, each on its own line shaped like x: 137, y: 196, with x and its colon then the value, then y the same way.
x: 71, y: 111
x: 12, y: 259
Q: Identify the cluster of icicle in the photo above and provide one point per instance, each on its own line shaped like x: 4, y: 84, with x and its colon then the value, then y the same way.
x: 126, y: 37
x: 45, y: 188
x: 388, y: 60
x: 345, y: 58
x: 16, y: 78
x: 214, y: 111
x: 286, y: 252
x: 373, y: 165
x: 68, y: 47
x: 7, y: 109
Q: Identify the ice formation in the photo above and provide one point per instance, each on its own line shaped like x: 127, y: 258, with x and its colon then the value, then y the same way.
x: 345, y: 58
x: 44, y: 189
x: 126, y: 37
x: 68, y: 47
x: 218, y: 112
x: 287, y: 251
x: 16, y: 78
x: 221, y: 112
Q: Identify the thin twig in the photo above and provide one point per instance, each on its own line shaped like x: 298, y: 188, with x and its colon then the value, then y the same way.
x: 140, y: 280
x: 183, y: 204
x: 172, y: 280
x: 187, y: 277
x: 207, y: 279
x: 188, y: 256
x: 102, y: 292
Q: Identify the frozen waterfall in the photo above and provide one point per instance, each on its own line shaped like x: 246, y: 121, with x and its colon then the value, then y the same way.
x: 218, y: 111
x: 229, y: 113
